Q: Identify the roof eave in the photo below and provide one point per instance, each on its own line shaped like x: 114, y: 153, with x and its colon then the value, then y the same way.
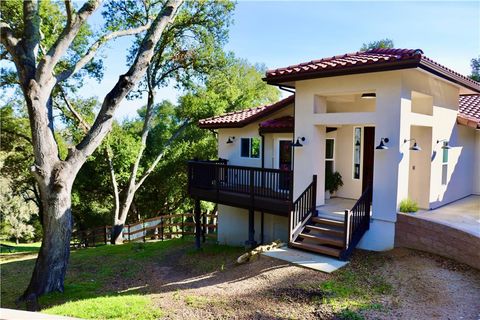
x: 368, y: 68
x: 465, y: 121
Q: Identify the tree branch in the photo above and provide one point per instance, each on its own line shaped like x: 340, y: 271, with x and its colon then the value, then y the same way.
x: 50, y: 60
x: 97, y: 45
x: 76, y: 114
x: 7, y: 38
x: 31, y: 30
x: 125, y: 84
x: 70, y: 11
x: 161, y: 154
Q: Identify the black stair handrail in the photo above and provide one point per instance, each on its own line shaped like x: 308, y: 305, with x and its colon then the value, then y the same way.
x: 303, y: 209
x: 356, y: 222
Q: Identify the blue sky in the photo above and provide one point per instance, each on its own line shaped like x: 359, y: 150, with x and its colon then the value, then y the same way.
x: 284, y: 33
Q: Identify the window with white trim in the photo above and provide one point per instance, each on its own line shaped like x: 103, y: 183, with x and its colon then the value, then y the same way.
x: 357, y: 145
x: 250, y: 148
x: 329, y: 156
x: 444, y: 166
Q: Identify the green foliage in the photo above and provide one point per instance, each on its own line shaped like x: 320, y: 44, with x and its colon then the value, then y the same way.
x: 333, y: 181
x: 408, y: 205
x: 379, y: 44
x: 475, y: 64
x: 347, y: 314
x: 16, y: 213
x: 53, y: 18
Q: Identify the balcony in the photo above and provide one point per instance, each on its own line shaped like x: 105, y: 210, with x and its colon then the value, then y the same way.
x: 261, y: 189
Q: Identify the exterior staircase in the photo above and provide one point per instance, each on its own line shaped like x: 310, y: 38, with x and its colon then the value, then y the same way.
x: 324, y: 235
x: 320, y: 235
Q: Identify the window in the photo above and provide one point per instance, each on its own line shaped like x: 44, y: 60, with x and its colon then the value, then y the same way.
x: 250, y: 148
x: 357, y: 144
x: 329, y: 156
x: 444, y: 166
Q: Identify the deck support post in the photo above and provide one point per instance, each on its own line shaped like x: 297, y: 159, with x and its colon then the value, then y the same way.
x: 262, y: 223
x: 198, y: 224
x: 251, y: 243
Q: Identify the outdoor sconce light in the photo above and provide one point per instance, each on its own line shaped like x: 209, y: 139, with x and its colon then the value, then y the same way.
x: 382, y: 145
x: 230, y: 140
x: 369, y: 95
x: 415, y: 146
x: 445, y: 144
x: 298, y: 143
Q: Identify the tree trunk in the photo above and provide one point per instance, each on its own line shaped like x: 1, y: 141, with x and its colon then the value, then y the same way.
x: 121, y: 218
x: 51, y: 264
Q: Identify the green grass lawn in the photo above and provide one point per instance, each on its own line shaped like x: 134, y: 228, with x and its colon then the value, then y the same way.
x: 8, y: 247
x: 91, y: 285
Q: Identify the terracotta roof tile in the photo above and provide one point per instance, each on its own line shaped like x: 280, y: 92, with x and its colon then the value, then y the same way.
x: 469, y: 110
x: 367, y: 61
x: 238, y: 119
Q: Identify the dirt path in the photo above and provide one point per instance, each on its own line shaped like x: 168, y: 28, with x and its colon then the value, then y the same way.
x: 423, y: 286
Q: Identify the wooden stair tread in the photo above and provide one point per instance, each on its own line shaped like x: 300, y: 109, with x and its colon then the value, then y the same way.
x: 332, y: 231
x: 317, y: 248
x: 323, y: 239
x: 328, y: 222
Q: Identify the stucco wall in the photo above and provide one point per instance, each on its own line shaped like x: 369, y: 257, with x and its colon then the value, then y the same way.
x: 233, y: 226
x: 420, y: 162
x: 232, y: 151
x: 476, y: 175
x: 416, y: 233
x: 233, y: 222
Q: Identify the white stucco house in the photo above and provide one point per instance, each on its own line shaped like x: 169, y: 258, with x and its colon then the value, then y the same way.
x: 392, y: 122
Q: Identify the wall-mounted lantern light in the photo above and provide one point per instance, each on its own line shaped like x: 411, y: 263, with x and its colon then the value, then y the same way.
x: 382, y: 145
x: 415, y: 146
x: 230, y: 140
x: 445, y: 144
x: 298, y: 143
x: 369, y: 95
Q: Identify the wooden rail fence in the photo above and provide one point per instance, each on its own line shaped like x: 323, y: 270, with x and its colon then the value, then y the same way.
x: 157, y: 228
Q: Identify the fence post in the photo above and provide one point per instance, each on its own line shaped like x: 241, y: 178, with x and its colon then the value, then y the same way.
x: 106, y: 231
x: 93, y: 237
x: 144, y: 232
x: 183, y: 225
x: 161, y: 228
x: 128, y: 233
x: 204, y: 229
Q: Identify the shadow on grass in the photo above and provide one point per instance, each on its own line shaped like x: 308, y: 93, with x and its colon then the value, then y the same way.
x: 120, y: 281
x: 98, y: 278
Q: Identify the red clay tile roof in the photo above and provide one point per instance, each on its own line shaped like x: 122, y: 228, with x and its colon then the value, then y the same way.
x: 283, y: 124
x: 373, y: 60
x: 469, y: 110
x: 241, y: 118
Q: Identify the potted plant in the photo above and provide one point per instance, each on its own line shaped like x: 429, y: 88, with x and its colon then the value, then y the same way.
x: 333, y: 181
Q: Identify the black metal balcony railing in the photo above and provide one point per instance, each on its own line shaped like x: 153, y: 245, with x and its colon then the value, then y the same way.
x: 255, y: 182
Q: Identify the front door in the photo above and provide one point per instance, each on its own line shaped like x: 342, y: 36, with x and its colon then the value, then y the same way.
x: 368, y: 154
x: 285, y: 161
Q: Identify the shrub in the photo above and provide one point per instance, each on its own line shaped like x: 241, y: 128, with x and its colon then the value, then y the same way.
x: 408, y: 205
